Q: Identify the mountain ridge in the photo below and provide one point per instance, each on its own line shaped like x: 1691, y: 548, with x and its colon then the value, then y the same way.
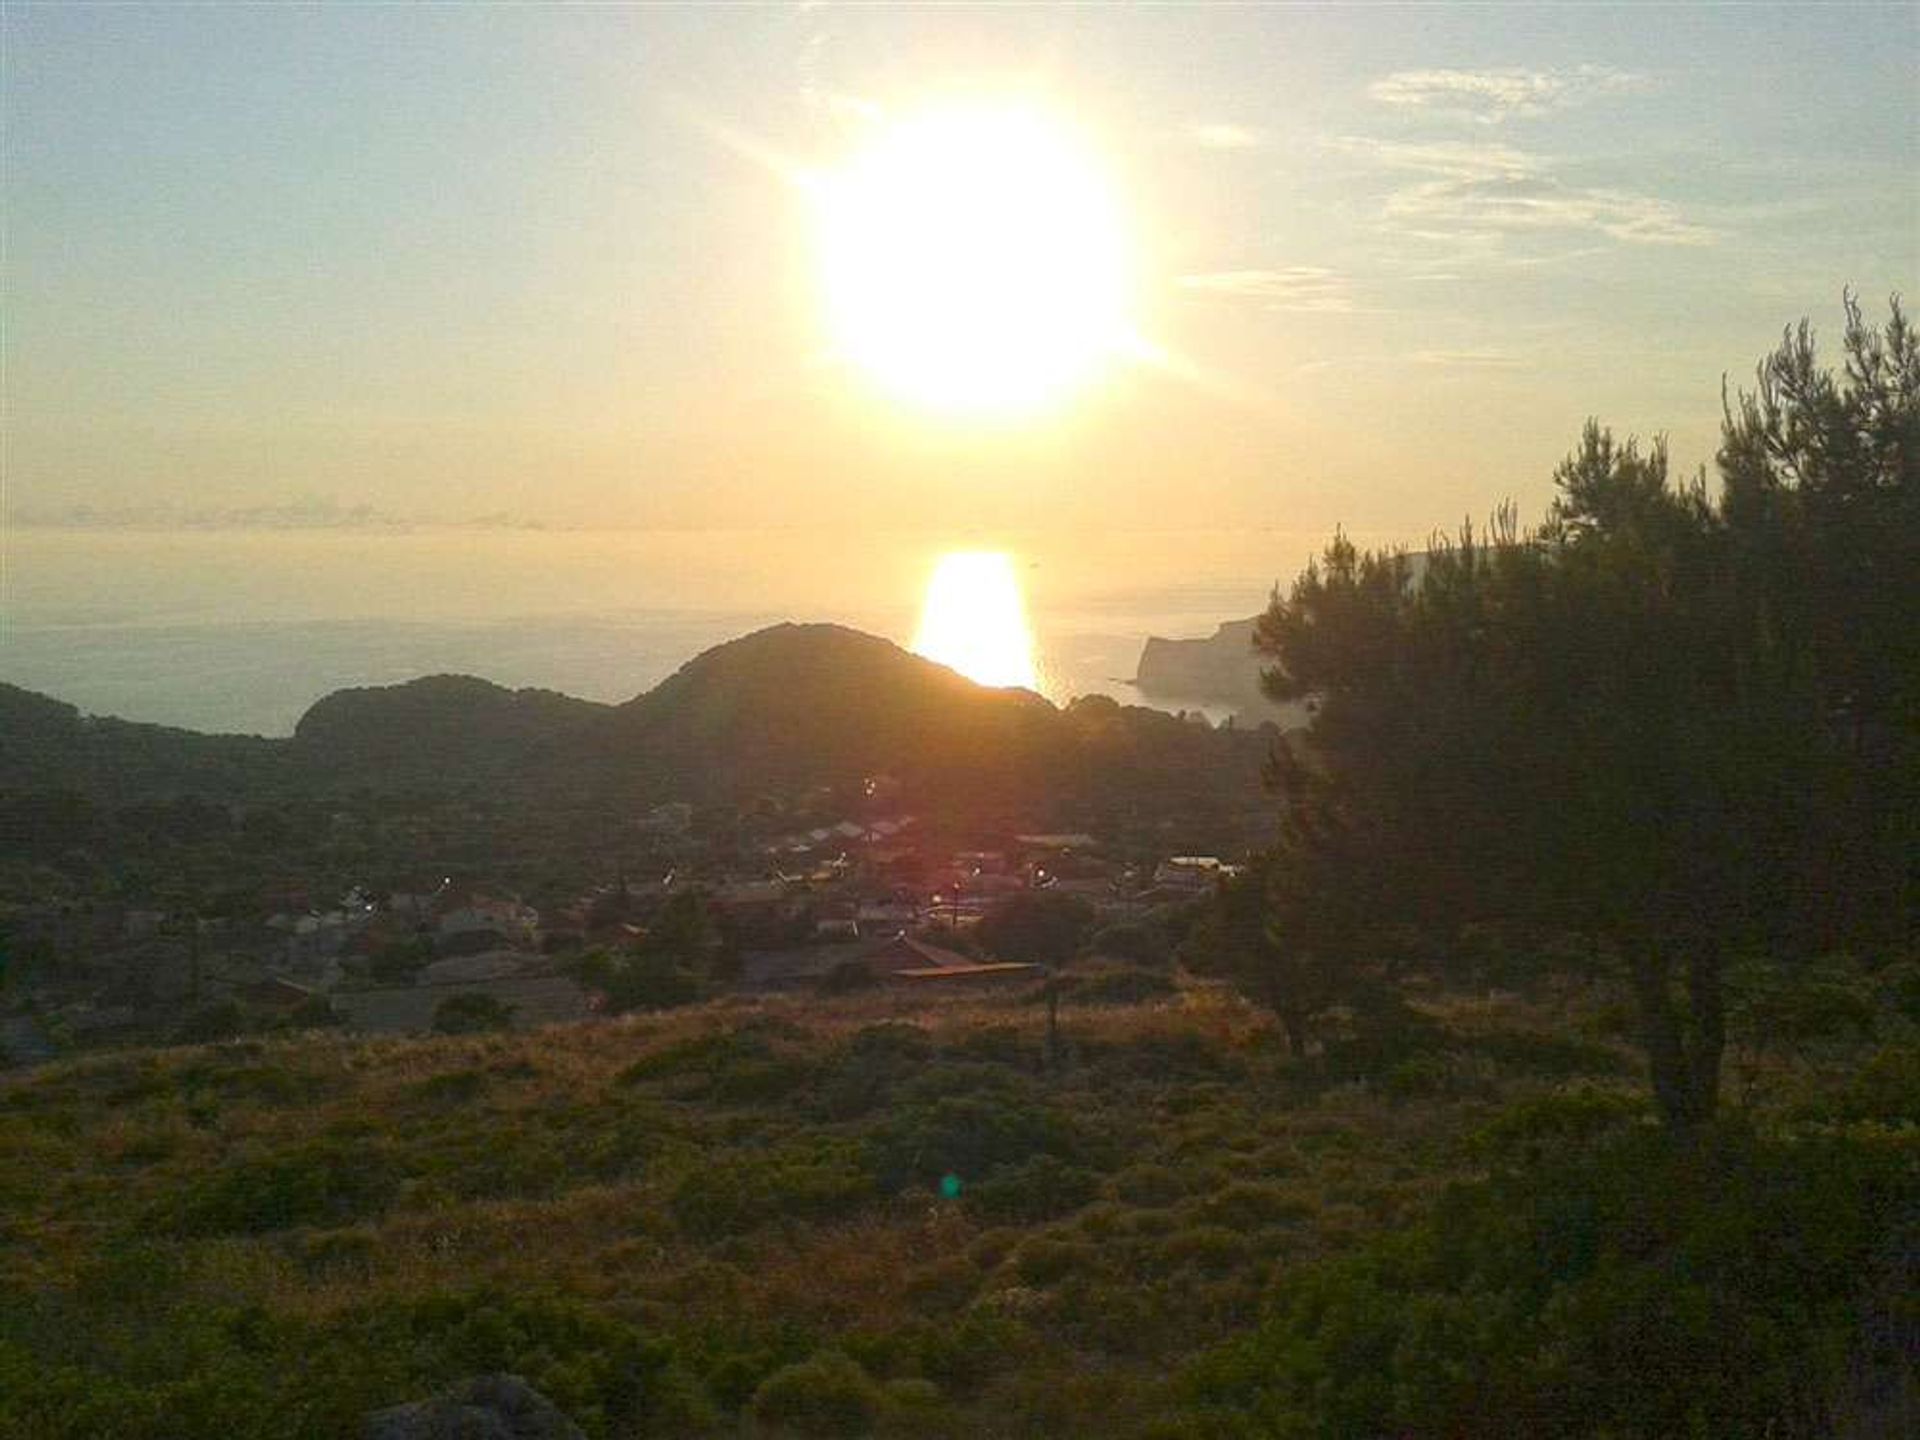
x: 791, y: 706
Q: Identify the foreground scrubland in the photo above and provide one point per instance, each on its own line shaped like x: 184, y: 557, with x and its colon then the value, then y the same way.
x: 840, y: 1217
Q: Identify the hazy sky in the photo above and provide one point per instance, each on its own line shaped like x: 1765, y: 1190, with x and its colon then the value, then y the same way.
x: 455, y: 260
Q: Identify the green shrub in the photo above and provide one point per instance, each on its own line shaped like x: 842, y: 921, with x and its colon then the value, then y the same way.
x: 1247, y: 1205
x: 741, y: 1066
x: 471, y: 1013
x: 262, y: 1084
x: 1886, y: 1088
x: 816, y: 1181
x: 1572, y: 1120
x: 1380, y: 1032
x: 1048, y: 1259
x: 332, y: 1253
x: 828, y: 1395
x: 1039, y: 1189
x: 607, y: 1376
x: 912, y: 1397
x: 962, y: 1355
x: 1150, y: 1185
x: 998, y: 1045
x: 1630, y: 1287
x: 968, y: 1135
x: 319, y: 1183
x: 1555, y: 1056
x: 1166, y: 1057
x: 990, y: 1247
x: 454, y: 1088
x: 943, y: 1285
x: 1122, y: 987
x: 864, y: 1073
x: 1208, y: 1249
x: 1417, y: 1077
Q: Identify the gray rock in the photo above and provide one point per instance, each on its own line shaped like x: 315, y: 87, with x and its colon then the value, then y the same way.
x: 488, y: 1407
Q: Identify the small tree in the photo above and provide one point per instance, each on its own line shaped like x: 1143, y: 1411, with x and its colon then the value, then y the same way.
x: 1037, y: 927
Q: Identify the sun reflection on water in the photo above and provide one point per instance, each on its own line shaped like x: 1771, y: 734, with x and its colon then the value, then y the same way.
x: 974, y: 620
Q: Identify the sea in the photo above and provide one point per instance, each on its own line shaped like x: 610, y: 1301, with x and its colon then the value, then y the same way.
x: 239, y: 631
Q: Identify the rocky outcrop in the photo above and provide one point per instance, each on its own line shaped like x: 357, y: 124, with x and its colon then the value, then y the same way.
x: 1221, y: 671
x: 488, y: 1407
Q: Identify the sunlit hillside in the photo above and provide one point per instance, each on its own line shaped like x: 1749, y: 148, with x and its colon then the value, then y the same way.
x: 872, y: 1215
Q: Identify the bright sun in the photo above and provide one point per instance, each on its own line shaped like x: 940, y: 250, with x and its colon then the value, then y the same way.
x: 975, y: 620
x: 976, y: 262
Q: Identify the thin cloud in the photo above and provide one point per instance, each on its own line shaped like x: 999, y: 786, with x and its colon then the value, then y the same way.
x: 1461, y: 358
x: 1294, y: 287
x: 1482, y: 193
x: 1489, y: 97
x: 1466, y: 359
x: 1217, y: 136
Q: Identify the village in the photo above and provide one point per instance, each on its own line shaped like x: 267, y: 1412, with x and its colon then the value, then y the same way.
x: 884, y: 899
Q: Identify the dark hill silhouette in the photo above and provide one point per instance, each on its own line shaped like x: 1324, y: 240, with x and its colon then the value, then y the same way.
x: 790, y: 707
x: 47, y: 744
x: 823, y: 705
x: 442, y: 724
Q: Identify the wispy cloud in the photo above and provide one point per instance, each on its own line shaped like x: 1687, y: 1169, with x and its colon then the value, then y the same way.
x: 1460, y: 191
x: 1218, y: 136
x: 1489, y: 97
x: 1466, y: 359
x: 1294, y: 287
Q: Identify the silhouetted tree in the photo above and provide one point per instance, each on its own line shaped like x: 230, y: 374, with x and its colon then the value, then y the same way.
x: 1656, y: 720
x: 1037, y: 927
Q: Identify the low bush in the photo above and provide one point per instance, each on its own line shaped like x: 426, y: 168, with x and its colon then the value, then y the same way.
x: 1629, y: 1287
x: 1886, y: 1088
x: 1040, y: 1189
x: 320, y: 1183
x: 863, y: 1074
x: 1150, y: 1185
x: 827, y: 1395
x: 471, y: 1013
x: 1556, y: 1056
x: 1049, y: 1259
x: 1248, y: 1205
x: 1207, y: 1249
x: 969, y: 1135
x: 1121, y: 987
x: 943, y: 1285
x: 1147, y: 945
x: 823, y: 1180
x: 743, y: 1066
x: 453, y: 1088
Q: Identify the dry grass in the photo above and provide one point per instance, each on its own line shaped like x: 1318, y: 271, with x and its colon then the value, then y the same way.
x: 533, y: 1163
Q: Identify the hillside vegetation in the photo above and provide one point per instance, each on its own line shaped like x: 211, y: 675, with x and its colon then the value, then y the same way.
x: 847, y: 1217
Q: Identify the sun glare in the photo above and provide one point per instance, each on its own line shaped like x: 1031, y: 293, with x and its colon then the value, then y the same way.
x: 976, y: 262
x: 975, y: 620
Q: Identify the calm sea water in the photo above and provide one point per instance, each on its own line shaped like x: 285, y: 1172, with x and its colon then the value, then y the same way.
x: 242, y: 631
